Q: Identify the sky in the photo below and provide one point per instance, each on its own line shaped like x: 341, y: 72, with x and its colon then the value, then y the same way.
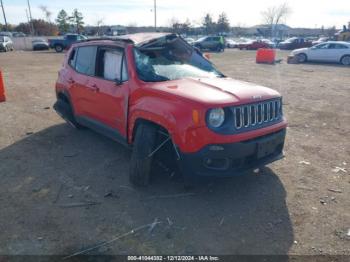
x: 305, y: 13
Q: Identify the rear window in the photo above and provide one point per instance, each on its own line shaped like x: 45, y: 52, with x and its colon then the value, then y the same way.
x: 337, y: 46
x: 85, y: 60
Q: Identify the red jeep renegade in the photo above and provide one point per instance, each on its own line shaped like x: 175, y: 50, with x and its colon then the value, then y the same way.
x: 158, y: 95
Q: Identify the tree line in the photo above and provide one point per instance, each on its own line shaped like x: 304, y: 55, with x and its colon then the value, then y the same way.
x: 63, y: 23
x: 208, y: 24
x: 74, y: 22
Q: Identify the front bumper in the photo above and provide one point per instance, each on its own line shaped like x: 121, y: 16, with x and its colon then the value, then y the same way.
x: 225, y: 160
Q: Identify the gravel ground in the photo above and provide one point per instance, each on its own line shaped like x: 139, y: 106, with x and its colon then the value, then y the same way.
x: 299, y: 205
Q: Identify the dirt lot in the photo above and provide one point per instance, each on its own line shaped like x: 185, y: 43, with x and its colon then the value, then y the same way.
x: 292, y: 207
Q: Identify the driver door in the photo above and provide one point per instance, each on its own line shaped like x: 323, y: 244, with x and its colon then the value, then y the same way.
x: 318, y: 53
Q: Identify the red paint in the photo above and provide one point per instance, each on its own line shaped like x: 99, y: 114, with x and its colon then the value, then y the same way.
x: 253, y: 45
x: 2, y: 89
x: 264, y: 55
x: 169, y: 104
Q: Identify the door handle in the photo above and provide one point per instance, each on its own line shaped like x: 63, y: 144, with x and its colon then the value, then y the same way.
x: 71, y: 81
x: 94, y: 88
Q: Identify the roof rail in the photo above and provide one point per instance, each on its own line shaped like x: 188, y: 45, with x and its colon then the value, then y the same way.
x: 107, y: 38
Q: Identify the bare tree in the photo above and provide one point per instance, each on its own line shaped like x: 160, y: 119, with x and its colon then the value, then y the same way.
x: 46, y: 12
x: 275, y: 15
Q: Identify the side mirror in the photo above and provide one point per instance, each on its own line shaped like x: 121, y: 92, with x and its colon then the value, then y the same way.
x: 118, y: 82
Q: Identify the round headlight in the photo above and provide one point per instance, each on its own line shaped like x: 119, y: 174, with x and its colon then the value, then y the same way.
x: 216, y: 117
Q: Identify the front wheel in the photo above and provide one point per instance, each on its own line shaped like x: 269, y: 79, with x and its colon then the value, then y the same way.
x: 345, y: 60
x: 141, y: 158
x: 302, y: 58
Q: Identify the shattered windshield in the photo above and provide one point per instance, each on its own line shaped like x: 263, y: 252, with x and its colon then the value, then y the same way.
x: 171, y: 60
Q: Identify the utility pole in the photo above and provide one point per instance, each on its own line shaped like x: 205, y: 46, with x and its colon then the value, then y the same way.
x: 3, y: 12
x: 27, y: 16
x: 30, y: 27
x: 31, y: 18
x: 155, y: 15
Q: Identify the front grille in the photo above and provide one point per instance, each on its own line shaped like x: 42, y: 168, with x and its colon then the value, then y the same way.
x: 257, y: 115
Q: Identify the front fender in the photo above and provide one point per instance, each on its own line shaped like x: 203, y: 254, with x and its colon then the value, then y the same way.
x: 174, y: 116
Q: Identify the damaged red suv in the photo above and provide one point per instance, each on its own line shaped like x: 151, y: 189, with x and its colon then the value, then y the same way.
x: 159, y: 96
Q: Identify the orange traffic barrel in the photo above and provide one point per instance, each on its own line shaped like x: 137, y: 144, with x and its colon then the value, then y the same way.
x: 2, y: 89
x: 207, y: 56
x: 265, y: 55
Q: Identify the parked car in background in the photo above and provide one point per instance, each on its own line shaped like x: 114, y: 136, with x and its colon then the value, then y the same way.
x: 18, y: 34
x: 212, y: 43
x: 269, y: 42
x: 5, y: 33
x: 332, y: 51
x: 320, y: 40
x: 40, y: 44
x: 189, y: 40
x: 6, y: 44
x: 294, y: 43
x: 253, y: 45
x: 230, y: 43
x: 60, y: 44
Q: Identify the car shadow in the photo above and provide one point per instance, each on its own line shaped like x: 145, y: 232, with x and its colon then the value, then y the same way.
x: 50, y: 51
x: 325, y: 64
x: 47, y: 171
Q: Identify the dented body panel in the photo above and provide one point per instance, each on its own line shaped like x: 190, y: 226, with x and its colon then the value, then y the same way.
x: 170, y: 104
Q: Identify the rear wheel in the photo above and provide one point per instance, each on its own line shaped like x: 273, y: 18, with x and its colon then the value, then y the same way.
x: 65, y: 110
x: 58, y: 48
x: 141, y: 158
x: 302, y: 58
x: 345, y: 60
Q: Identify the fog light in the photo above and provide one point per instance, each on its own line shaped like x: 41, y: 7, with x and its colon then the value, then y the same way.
x: 208, y: 161
x: 217, y: 163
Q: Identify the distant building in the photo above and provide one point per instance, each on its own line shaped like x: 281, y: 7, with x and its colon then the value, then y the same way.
x: 279, y: 31
x: 116, y: 30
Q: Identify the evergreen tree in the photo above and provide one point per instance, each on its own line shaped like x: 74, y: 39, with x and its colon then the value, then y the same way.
x: 77, y: 19
x: 62, y: 21
x: 208, y: 24
x: 223, y: 24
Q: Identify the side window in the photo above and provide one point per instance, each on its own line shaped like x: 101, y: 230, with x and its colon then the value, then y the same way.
x: 339, y: 46
x: 112, y: 65
x: 323, y: 46
x: 85, y: 60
